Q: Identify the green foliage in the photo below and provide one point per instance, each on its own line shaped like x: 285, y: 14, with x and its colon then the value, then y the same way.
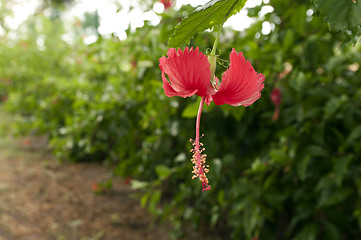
x: 298, y: 177
x: 214, y: 13
x: 342, y: 15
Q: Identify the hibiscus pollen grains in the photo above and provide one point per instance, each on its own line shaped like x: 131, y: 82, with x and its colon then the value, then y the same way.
x: 200, y: 168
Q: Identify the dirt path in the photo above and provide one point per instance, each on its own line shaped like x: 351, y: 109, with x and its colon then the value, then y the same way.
x: 41, y: 199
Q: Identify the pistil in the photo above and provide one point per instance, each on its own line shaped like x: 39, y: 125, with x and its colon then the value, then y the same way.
x: 199, y: 159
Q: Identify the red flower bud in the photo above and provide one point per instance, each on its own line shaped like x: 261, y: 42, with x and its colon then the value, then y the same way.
x: 166, y: 3
x: 276, y: 98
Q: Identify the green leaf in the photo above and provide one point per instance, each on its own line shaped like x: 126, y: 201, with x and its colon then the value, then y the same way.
x: 135, y: 184
x: 331, y: 107
x: 154, y: 200
x: 288, y: 40
x: 354, y: 135
x: 163, y: 171
x: 340, y: 168
x: 331, y: 231
x: 236, y: 112
x: 316, y: 151
x: 302, y: 167
x: 341, y: 15
x: 325, y: 182
x: 188, y: 213
x: 220, y: 197
x: 278, y: 155
x: 309, y: 232
x: 215, y: 12
x: 303, y: 212
x: 144, y: 200
x: 331, y: 198
x: 298, y: 18
x: 257, y: 167
x: 191, y: 110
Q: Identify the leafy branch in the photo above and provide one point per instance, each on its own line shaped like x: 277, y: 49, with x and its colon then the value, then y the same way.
x: 213, y: 13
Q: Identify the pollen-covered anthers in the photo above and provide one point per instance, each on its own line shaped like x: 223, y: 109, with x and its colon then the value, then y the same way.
x: 200, y: 168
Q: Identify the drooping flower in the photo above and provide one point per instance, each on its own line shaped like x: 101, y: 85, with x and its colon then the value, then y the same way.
x: 190, y: 73
x: 276, y: 98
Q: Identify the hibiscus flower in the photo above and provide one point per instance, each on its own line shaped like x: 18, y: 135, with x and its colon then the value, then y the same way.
x: 190, y: 73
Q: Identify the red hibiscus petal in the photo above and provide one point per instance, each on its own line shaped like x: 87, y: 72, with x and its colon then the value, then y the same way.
x: 208, y: 99
x: 241, y: 85
x: 210, y: 92
x: 188, y: 73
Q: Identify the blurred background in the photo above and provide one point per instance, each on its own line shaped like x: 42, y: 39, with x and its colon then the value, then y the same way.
x: 85, y: 75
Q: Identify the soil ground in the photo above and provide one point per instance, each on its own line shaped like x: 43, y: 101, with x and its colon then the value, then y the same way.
x: 41, y: 199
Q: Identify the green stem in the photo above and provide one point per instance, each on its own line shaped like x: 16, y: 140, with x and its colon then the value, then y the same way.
x: 213, y: 52
x: 213, y: 59
x: 200, y: 159
x: 198, y: 121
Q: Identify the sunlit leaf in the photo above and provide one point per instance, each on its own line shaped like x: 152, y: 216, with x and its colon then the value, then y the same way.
x: 342, y: 15
x: 213, y: 13
x: 191, y: 110
x: 163, y: 171
x: 135, y: 184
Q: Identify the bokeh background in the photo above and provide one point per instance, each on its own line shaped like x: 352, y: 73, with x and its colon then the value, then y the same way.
x: 287, y: 167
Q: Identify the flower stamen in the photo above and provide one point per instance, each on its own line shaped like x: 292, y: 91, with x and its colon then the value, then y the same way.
x: 200, y: 168
x: 199, y: 158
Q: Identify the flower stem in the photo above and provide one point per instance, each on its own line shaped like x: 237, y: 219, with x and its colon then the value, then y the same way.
x: 198, y: 121
x: 199, y: 159
x: 220, y: 26
x: 212, y: 58
x: 213, y: 52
